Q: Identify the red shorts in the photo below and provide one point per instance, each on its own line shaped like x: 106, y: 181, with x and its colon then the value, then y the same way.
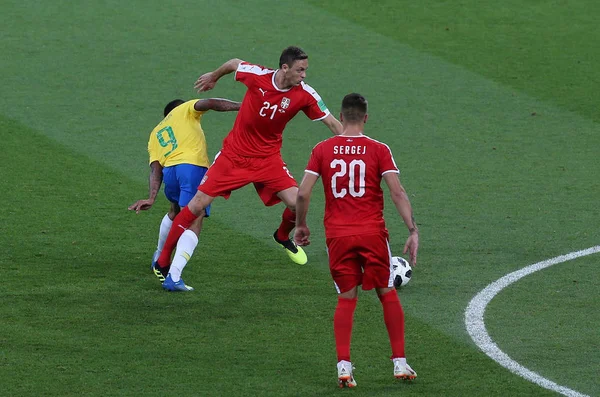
x: 360, y: 259
x: 230, y: 172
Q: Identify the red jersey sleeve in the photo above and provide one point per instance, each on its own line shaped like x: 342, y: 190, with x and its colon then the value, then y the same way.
x: 314, y: 162
x: 386, y: 160
x: 315, y: 108
x: 247, y: 72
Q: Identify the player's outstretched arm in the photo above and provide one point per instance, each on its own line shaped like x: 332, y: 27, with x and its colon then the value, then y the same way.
x: 333, y: 124
x: 218, y: 104
x: 402, y: 203
x: 208, y: 80
x: 302, y: 233
x: 154, y: 182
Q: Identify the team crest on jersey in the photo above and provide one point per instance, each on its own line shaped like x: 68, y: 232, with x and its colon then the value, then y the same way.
x: 285, y: 103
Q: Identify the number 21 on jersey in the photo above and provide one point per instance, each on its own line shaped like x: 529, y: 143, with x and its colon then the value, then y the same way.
x: 266, y: 109
x: 356, y: 178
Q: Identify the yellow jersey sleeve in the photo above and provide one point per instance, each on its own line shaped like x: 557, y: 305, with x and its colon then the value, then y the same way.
x: 179, y: 138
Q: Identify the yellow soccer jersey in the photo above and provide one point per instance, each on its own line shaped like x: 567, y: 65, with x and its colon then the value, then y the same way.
x: 179, y: 138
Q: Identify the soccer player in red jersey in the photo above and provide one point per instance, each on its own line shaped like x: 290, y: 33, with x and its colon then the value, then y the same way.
x: 351, y: 166
x: 251, y: 150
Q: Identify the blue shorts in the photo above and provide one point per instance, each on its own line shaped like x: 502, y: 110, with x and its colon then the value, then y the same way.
x: 181, y: 183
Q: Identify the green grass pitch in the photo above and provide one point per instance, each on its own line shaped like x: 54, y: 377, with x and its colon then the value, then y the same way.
x: 491, y: 110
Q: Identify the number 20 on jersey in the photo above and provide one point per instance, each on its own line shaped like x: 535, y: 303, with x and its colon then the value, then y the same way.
x: 356, y: 178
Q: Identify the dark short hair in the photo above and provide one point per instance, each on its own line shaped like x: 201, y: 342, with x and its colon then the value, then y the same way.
x: 291, y: 55
x: 172, y: 105
x: 354, y: 107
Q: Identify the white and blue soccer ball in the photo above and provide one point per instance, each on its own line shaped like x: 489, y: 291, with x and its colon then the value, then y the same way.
x: 402, y: 271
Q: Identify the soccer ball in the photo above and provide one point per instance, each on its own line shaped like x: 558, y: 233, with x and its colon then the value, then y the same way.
x: 402, y: 271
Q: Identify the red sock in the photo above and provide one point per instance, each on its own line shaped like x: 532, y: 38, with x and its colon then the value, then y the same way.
x: 342, y: 327
x: 393, y: 316
x: 182, y: 221
x: 288, y: 221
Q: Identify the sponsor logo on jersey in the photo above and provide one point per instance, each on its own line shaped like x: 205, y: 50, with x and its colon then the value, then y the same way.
x: 322, y: 105
x: 285, y: 103
x: 262, y: 91
x: 205, y: 178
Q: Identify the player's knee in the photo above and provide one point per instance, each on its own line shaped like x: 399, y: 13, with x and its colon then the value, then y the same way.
x: 199, y: 203
x: 289, y: 196
x: 383, y: 291
x: 173, y: 211
x: 351, y: 294
x: 196, y: 207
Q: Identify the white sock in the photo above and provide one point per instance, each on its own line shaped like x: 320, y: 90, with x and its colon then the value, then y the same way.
x: 185, y: 249
x: 163, y: 232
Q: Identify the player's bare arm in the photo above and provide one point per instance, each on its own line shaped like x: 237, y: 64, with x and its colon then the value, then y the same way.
x: 402, y: 203
x: 208, y: 80
x: 333, y: 124
x: 302, y: 233
x: 217, y: 104
x: 154, y: 182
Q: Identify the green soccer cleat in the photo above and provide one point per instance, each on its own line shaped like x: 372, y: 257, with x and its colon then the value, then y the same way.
x: 158, y: 271
x: 296, y: 254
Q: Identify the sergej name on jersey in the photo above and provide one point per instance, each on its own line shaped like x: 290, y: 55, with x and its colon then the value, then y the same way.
x: 346, y: 149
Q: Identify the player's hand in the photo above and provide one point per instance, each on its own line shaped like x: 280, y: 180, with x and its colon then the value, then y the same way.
x: 412, y: 246
x: 205, y: 82
x: 302, y: 236
x: 141, y: 205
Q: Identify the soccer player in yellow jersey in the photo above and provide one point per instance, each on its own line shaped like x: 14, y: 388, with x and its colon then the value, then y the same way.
x: 179, y: 158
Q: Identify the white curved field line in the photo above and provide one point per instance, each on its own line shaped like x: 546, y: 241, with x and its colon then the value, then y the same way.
x: 476, y: 326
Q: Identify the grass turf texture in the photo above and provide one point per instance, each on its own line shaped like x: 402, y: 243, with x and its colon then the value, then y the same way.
x: 85, y: 314
x: 494, y: 189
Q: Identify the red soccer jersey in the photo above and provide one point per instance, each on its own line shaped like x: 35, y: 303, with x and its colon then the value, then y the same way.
x: 351, y: 168
x: 265, y: 111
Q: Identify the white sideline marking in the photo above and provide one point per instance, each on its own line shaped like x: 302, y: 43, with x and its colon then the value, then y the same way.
x: 476, y: 326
